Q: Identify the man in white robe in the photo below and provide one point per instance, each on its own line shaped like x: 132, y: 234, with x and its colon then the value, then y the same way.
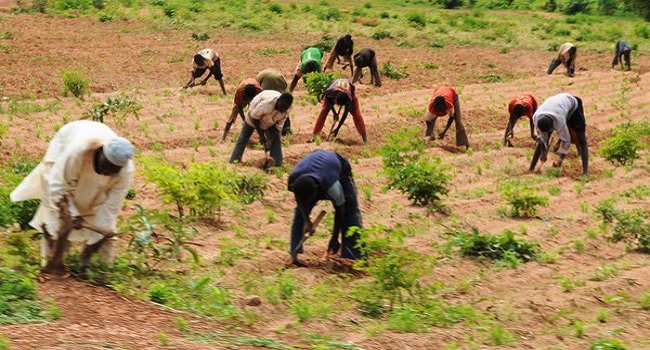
x: 89, y: 168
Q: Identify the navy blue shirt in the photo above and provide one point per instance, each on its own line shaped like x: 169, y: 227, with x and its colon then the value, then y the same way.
x: 326, y: 168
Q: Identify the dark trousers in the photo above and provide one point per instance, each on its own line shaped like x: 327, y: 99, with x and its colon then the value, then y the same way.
x: 242, y: 140
x: 352, y: 217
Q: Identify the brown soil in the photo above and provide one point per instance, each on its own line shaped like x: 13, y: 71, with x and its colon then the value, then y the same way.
x: 153, y: 62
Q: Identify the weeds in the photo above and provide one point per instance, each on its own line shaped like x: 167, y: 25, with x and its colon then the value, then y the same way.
x: 505, y: 247
x: 392, y: 72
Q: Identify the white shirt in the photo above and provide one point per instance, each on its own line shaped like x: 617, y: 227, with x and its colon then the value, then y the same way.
x: 560, y: 108
x: 262, y: 108
x: 68, y: 170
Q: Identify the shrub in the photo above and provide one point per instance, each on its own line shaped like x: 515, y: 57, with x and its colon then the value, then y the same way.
x: 576, y: 6
x: 325, y: 43
x: 642, y: 31
x: 329, y: 14
x: 317, y: 83
x: 451, y: 4
x: 392, y: 72
x: 184, y: 186
x: 155, y: 238
x: 276, y: 8
x: 119, y: 107
x: 20, y: 212
x: 624, y: 143
x: 493, y: 247
x: 382, y: 34
x: 75, y: 82
x: 416, y: 19
x: 633, y: 228
x: 411, y: 171
x: 523, y: 199
x: 607, y: 7
x: 394, y: 267
x: 200, y: 37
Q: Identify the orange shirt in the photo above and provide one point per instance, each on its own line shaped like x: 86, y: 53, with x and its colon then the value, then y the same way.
x: 526, y: 100
x: 448, y: 93
x: 239, y: 94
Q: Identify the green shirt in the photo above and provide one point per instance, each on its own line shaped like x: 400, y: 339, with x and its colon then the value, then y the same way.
x: 311, y: 54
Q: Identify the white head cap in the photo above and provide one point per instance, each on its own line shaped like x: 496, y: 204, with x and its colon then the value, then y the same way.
x: 118, y: 151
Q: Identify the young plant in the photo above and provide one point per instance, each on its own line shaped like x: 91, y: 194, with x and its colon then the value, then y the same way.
x: 523, y: 199
x: 623, y: 146
x: 119, y: 107
x: 75, y: 82
x: 394, y: 267
x: 494, y: 247
x: 411, y: 171
x: 317, y: 83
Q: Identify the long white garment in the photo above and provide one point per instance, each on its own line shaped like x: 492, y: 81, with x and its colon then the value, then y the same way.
x: 67, y: 170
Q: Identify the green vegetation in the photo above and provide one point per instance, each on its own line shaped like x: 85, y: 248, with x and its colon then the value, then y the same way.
x: 119, y: 107
x: 623, y: 146
x: 411, y: 171
x: 522, y: 198
x: 317, y: 83
x: 76, y: 83
x: 18, y: 285
x: 21, y: 212
x: 505, y: 248
x: 608, y: 344
x: 630, y: 226
x: 201, y: 190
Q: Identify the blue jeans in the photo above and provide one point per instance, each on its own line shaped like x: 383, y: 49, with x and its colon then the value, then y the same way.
x: 242, y: 140
x: 352, y: 217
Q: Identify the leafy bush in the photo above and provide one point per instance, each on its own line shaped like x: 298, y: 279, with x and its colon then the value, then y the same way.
x: 451, y: 4
x: 75, y: 82
x: 633, y: 228
x: 382, y: 34
x: 18, y: 284
x: 200, y: 37
x: 325, y: 43
x: 411, y: 171
x: 156, y: 238
x: 416, y: 19
x: 607, y: 7
x: 642, y: 30
x: 317, y: 83
x: 392, y: 72
x: 576, y: 6
x: 624, y: 143
x: 119, y: 106
x: 494, y: 247
x: 329, y: 14
x: 276, y: 8
x: 21, y: 212
x: 522, y: 198
x: 201, y: 189
x: 395, y: 268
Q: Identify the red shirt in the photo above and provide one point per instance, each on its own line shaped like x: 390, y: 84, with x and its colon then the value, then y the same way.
x: 239, y: 94
x: 526, y: 100
x: 448, y: 93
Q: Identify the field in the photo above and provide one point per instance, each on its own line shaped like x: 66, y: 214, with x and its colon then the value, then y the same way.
x: 580, y: 290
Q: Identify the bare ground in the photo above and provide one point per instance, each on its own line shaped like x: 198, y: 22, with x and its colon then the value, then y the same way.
x: 153, y: 62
